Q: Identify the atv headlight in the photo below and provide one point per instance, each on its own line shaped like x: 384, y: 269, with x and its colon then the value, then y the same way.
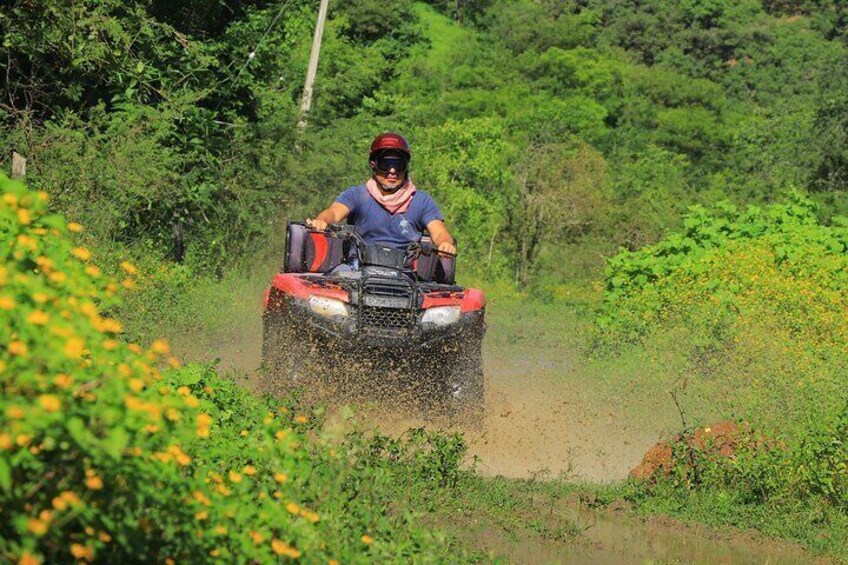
x: 441, y: 315
x: 327, y: 307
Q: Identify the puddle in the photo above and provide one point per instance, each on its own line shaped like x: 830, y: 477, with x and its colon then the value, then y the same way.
x: 612, y: 537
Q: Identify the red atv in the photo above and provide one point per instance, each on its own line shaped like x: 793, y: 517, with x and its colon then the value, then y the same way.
x: 375, y: 322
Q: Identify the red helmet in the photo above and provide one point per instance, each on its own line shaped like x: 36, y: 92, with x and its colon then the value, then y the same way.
x: 390, y: 140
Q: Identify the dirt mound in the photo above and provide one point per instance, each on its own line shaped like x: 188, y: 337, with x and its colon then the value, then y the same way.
x: 713, y: 442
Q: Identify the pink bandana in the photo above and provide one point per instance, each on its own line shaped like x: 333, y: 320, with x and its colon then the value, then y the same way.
x: 395, y: 202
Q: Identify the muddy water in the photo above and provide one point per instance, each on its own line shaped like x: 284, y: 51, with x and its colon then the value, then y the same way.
x: 611, y: 537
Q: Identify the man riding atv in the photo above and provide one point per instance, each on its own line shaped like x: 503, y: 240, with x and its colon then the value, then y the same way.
x: 371, y: 306
x: 388, y: 209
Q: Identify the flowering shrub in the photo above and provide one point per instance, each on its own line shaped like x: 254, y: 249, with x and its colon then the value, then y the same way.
x: 754, y: 303
x: 112, y: 452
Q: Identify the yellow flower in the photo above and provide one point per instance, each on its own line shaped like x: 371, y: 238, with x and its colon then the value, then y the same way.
x: 235, y: 477
x: 36, y: 526
x: 43, y: 196
x: 282, y: 548
x: 366, y: 539
x: 256, y: 537
x: 293, y: 508
x: 70, y: 497
x: 104, y: 537
x: 280, y: 435
x: 301, y: 419
x: 160, y: 346
x: 110, y: 344
x: 173, y: 362
x: 5, y: 441
x: 134, y: 347
x: 192, y: 401
x: 128, y: 267
x: 24, y: 216
x: 81, y: 253
x: 111, y: 325
x: 75, y: 227
x: 310, y: 515
x: 172, y: 414
x: 26, y: 242
x: 128, y: 284
x: 202, y: 432
x: 15, y: 412
x: 39, y: 297
x: 249, y: 470
x: 204, y: 419
x: 22, y: 439
x: 82, y: 552
x: 93, y: 482
x: 10, y: 199
x: 93, y: 271
x: 280, y: 477
x: 74, y: 348
x: 7, y: 303
x: 202, y: 515
x: 58, y: 277
x: 50, y: 402
x: 28, y: 558
x: 220, y: 531
x: 62, y: 380
x: 18, y: 348
x: 183, y: 459
x: 38, y: 318
x: 243, y: 433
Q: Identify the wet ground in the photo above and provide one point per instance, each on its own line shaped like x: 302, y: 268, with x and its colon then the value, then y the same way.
x: 613, y: 537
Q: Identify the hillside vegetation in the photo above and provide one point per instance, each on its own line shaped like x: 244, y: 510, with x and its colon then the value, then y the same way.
x: 673, y: 171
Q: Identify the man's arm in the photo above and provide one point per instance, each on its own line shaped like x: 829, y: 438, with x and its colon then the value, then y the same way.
x: 332, y: 215
x: 441, y: 236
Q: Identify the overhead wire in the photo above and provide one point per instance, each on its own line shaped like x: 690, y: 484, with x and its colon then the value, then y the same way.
x: 252, y: 55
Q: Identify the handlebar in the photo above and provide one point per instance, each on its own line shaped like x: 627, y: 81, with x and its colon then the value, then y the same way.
x: 348, y: 231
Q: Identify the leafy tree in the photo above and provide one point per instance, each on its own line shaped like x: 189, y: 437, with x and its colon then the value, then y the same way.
x: 561, y: 192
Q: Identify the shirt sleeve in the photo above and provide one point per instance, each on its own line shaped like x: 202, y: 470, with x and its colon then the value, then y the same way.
x: 430, y: 211
x: 349, y: 198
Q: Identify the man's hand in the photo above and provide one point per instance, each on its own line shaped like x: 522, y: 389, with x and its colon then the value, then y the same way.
x: 447, y: 247
x: 332, y: 215
x: 316, y: 224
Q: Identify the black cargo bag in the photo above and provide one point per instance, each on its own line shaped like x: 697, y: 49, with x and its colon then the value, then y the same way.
x: 310, y: 251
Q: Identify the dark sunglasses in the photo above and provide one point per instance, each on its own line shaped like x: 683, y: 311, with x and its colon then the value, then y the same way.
x: 386, y: 164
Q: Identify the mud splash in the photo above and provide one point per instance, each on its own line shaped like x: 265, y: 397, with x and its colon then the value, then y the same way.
x: 544, y: 414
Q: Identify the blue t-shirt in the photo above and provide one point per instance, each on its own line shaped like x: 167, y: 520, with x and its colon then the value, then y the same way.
x: 378, y: 227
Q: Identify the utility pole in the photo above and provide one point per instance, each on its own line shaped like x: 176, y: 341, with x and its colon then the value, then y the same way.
x: 313, y: 64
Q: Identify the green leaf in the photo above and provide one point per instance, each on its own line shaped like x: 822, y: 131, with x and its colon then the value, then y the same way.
x: 115, y: 442
x: 5, y: 475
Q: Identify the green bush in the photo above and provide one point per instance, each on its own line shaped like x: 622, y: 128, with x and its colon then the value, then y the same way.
x: 103, y: 456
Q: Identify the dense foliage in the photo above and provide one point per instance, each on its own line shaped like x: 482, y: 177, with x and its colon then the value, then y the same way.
x: 157, y: 127
x: 754, y: 302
